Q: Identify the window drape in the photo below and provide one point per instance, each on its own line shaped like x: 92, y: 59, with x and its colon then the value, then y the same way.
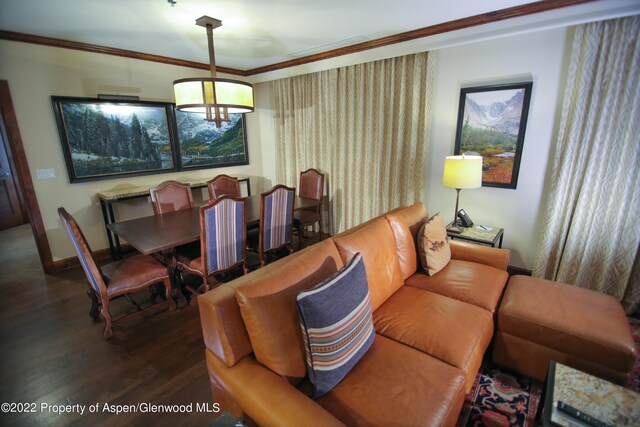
x: 590, y: 231
x: 366, y: 126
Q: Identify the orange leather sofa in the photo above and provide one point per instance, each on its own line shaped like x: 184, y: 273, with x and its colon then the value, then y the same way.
x: 431, y: 331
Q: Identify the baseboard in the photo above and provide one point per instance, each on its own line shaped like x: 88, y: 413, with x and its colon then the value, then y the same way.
x: 99, y: 255
x: 517, y: 270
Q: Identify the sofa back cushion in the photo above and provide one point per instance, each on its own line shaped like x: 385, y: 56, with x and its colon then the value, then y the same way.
x: 376, y: 244
x: 267, y: 303
x: 405, y: 224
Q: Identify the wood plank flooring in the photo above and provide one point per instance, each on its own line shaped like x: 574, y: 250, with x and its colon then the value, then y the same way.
x: 52, y: 353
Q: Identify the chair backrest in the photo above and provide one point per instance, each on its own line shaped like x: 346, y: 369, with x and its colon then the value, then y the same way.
x: 311, y: 185
x: 171, y: 196
x: 223, y: 185
x: 83, y: 251
x: 223, y: 234
x: 276, y: 217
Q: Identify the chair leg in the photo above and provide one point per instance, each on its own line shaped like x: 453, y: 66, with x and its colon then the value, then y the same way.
x: 108, y: 331
x: 320, y: 229
x: 95, y: 305
x: 167, y: 286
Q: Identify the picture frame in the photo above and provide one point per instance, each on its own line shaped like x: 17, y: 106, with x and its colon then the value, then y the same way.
x: 202, y: 145
x: 105, y: 139
x: 492, y: 121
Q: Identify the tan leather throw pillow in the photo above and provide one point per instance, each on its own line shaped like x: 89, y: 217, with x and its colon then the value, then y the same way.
x: 433, y: 245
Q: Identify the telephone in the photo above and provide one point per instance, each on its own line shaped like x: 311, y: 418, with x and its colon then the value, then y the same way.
x: 464, y: 220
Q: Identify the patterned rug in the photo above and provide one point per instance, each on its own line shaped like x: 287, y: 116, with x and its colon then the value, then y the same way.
x: 500, y: 398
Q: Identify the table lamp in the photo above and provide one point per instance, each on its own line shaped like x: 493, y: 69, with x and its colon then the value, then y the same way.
x: 461, y: 172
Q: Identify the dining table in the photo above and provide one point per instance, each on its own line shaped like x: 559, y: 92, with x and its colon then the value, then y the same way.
x: 161, y: 233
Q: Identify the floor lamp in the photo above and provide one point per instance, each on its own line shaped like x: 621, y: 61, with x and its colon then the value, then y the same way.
x: 461, y: 172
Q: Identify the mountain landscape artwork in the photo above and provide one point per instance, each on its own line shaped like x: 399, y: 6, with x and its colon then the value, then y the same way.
x: 491, y: 123
x: 202, y: 144
x: 103, y: 139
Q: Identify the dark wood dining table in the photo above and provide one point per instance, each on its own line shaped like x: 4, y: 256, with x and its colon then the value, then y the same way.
x: 158, y: 233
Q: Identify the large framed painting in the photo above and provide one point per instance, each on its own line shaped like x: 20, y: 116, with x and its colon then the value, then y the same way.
x: 202, y: 145
x: 491, y: 123
x: 110, y: 139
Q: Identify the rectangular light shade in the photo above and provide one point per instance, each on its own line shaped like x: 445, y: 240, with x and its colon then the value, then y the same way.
x: 462, y: 172
x: 196, y: 94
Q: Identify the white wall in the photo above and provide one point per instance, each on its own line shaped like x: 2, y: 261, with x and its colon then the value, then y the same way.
x: 538, y: 56
x: 35, y: 73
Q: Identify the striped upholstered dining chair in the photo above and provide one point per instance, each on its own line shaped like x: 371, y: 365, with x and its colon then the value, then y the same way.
x: 276, y: 222
x: 223, y: 240
x: 116, y: 279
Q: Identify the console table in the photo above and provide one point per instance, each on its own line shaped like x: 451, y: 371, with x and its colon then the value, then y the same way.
x: 107, y: 198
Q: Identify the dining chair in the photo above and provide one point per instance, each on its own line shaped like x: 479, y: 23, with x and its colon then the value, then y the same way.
x: 223, y: 238
x: 223, y: 185
x: 276, y: 222
x: 170, y: 196
x: 311, y: 187
x: 116, y: 279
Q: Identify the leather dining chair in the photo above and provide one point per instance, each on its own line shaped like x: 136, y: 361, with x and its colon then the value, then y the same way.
x: 171, y: 196
x: 276, y: 222
x: 311, y: 187
x: 223, y: 242
x: 223, y: 185
x: 116, y: 279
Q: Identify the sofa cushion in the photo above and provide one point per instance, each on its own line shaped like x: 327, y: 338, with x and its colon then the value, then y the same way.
x: 267, y: 300
x: 477, y: 284
x: 376, y: 244
x: 405, y: 224
x: 450, y: 330
x: 395, y: 385
x: 433, y: 245
x: 336, y: 325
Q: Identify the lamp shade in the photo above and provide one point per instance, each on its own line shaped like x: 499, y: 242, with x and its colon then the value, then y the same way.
x: 462, y: 172
x: 196, y: 95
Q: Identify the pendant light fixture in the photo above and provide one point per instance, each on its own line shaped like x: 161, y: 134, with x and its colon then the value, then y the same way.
x: 216, y: 98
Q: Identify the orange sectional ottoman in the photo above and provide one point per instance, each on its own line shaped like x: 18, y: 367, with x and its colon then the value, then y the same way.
x: 541, y: 320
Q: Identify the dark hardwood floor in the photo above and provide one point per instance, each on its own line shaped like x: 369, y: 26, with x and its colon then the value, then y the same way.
x: 53, y: 353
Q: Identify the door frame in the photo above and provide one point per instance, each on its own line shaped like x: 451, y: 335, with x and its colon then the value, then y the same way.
x: 23, y: 181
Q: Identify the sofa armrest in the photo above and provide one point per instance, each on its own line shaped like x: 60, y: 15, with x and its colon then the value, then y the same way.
x: 266, y: 397
x: 494, y: 257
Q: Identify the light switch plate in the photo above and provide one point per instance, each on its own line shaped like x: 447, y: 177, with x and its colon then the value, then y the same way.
x: 46, y: 173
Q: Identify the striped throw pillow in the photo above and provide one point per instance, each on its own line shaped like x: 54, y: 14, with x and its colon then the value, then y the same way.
x: 337, y: 326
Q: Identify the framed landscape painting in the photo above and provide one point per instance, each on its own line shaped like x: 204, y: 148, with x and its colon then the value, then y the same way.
x: 202, y: 145
x: 491, y: 122
x: 110, y: 139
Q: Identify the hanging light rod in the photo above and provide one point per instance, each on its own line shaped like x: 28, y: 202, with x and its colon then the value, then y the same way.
x: 216, y: 98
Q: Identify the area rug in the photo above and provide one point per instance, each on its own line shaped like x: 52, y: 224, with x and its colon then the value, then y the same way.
x: 500, y: 398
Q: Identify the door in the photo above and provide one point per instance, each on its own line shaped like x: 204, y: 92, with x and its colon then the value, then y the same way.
x: 10, y: 210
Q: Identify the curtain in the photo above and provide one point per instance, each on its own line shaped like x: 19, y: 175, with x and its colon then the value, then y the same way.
x: 366, y: 126
x: 590, y: 230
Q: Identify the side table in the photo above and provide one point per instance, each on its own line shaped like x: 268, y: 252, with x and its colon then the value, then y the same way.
x: 474, y: 234
x: 606, y: 402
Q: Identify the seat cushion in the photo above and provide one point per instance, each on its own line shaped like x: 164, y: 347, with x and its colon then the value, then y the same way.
x: 131, y: 273
x: 578, y: 322
x: 474, y: 283
x: 453, y: 331
x: 335, y: 317
x: 395, y: 385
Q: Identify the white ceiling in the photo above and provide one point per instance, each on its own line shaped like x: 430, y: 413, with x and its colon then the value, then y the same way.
x: 257, y: 33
